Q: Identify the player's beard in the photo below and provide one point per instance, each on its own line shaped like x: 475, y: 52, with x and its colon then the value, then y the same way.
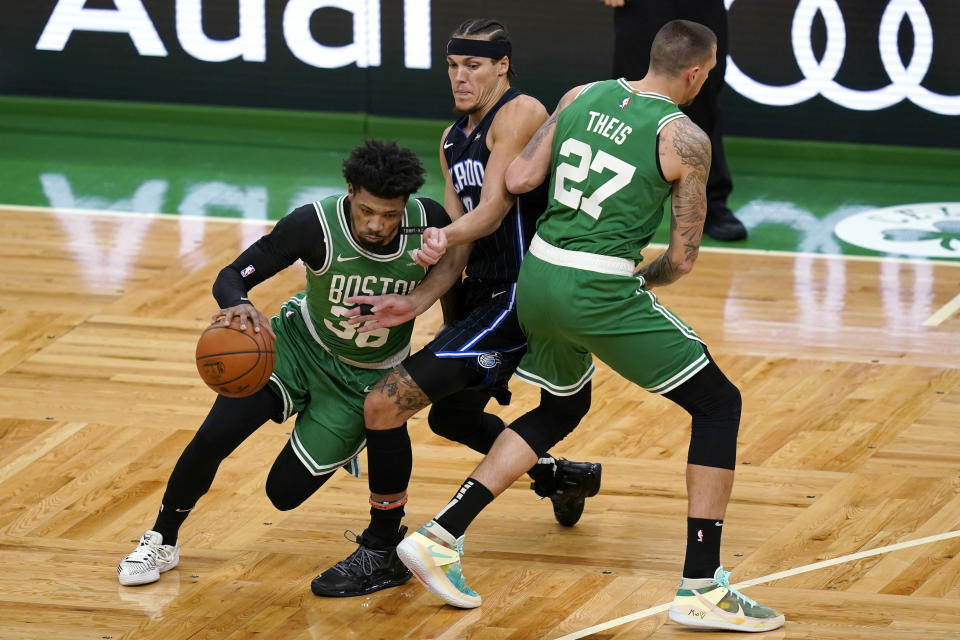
x: 372, y: 247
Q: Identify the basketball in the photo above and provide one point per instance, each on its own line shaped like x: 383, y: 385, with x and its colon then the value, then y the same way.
x: 233, y: 362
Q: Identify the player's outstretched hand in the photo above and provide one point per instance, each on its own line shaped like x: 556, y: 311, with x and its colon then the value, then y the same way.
x: 376, y: 312
x: 245, y: 313
x: 433, y: 247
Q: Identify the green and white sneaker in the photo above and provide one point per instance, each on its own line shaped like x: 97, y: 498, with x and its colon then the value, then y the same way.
x: 713, y: 603
x: 434, y: 557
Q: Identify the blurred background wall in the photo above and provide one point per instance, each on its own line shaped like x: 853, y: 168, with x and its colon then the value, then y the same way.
x: 876, y: 71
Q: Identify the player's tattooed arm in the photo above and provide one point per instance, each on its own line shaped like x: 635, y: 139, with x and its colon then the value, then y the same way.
x: 688, y: 149
x: 537, y: 140
x: 529, y: 169
x: 402, y: 391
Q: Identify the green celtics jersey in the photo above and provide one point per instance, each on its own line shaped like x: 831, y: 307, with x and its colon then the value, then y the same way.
x: 351, y: 270
x: 606, y: 191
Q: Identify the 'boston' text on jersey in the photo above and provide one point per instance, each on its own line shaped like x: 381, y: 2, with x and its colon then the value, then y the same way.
x: 344, y: 287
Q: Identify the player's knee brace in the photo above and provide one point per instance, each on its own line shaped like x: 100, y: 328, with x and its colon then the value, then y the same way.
x: 713, y: 403
x: 550, y: 422
x: 475, y: 429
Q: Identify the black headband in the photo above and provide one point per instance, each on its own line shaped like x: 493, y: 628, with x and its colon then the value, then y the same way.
x: 495, y: 49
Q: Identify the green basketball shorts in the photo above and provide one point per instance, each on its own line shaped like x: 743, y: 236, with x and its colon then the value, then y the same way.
x: 573, y: 304
x: 325, y: 394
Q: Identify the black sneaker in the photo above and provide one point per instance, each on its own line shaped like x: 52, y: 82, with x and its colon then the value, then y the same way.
x: 721, y: 224
x: 366, y: 570
x: 576, y: 481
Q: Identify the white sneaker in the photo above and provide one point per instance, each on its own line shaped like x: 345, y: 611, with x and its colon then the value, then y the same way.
x: 151, y: 558
x: 713, y: 603
x: 433, y: 555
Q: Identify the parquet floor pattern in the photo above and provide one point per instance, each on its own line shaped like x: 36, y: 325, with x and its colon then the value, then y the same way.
x: 849, y: 442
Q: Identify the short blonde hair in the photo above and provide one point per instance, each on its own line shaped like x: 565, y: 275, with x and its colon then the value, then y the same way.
x: 679, y: 45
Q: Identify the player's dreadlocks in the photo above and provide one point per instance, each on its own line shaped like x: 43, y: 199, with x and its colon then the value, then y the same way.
x: 384, y: 169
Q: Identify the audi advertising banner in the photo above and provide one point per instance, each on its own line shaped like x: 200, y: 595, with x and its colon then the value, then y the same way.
x: 885, y: 71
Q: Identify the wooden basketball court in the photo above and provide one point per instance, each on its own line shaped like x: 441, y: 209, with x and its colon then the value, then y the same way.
x: 850, y: 373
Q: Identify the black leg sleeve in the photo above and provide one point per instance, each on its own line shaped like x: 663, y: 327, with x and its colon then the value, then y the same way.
x: 230, y: 422
x: 289, y: 482
x: 552, y: 420
x: 390, y: 458
x: 461, y: 418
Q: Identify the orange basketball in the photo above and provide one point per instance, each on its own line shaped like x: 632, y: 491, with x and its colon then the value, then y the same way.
x: 233, y: 362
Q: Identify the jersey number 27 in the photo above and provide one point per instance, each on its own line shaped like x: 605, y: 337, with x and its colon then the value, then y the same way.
x: 577, y: 173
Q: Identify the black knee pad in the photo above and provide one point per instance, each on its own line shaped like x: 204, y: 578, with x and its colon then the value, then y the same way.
x: 550, y: 422
x: 714, y: 404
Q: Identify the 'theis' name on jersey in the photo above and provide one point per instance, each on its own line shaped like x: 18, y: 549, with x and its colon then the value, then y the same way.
x: 608, y: 127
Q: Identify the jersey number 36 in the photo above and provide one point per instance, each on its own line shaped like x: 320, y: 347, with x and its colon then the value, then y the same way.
x: 346, y: 331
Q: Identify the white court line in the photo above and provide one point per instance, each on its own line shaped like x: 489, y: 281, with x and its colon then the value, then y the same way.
x: 944, y: 262
x: 943, y: 312
x: 768, y: 578
x: 117, y: 214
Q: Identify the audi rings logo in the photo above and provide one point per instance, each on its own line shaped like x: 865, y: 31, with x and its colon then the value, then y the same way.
x: 819, y: 75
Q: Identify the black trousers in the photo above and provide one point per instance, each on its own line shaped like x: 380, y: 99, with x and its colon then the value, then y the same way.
x: 634, y: 25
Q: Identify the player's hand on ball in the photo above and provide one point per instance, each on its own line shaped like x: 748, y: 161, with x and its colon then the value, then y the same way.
x: 433, y: 247
x: 245, y: 313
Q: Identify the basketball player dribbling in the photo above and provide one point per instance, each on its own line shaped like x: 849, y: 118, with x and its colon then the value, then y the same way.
x: 350, y: 243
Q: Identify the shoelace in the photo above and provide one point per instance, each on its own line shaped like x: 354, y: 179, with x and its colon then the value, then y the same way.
x: 724, y: 581
x: 144, y: 553
x: 365, y: 558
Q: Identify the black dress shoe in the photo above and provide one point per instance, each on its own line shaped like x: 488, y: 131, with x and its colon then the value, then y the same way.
x: 722, y: 225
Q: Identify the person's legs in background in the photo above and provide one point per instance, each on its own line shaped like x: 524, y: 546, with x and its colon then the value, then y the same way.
x: 635, y: 25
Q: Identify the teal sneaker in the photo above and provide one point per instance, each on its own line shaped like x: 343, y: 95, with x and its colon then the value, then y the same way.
x: 713, y: 603
x: 434, y: 557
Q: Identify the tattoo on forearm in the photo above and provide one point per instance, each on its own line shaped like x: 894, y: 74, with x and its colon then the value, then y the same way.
x: 531, y: 149
x: 689, y: 205
x: 688, y: 212
x: 402, y: 390
x: 659, y: 272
